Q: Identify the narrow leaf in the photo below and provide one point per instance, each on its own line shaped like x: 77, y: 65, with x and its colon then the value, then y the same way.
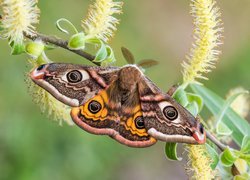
x: 181, y: 97
x: 213, y: 155
x: 225, y: 107
x: 93, y: 40
x: 59, y: 27
x: 232, y: 120
x: 171, y: 151
x: 246, y: 157
x: 222, y: 129
x: 245, y: 146
x: 193, y: 108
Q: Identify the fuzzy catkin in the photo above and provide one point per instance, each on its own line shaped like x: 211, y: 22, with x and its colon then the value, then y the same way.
x: 18, y: 16
x: 207, y: 35
x: 100, y: 21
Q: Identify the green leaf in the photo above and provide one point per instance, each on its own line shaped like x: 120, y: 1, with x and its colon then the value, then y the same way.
x: 222, y: 129
x: 110, y: 56
x: 213, y: 155
x: 101, y: 54
x: 171, y: 151
x: 231, y: 119
x: 58, y: 25
x: 195, y: 98
x: 181, y: 97
x: 17, y: 48
x: 221, y: 114
x: 193, y: 108
x: 105, y: 55
x: 77, y: 41
x: 228, y: 157
x: 246, y: 157
x: 93, y: 40
x: 245, y: 146
x: 244, y: 176
x: 34, y: 48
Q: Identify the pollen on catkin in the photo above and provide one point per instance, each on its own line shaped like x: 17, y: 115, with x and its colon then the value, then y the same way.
x: 100, y: 21
x: 199, y: 163
x: 47, y: 103
x: 19, y: 16
x: 207, y: 35
x: 203, y: 55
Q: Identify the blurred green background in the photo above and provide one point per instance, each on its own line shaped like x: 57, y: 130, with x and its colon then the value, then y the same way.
x: 34, y: 147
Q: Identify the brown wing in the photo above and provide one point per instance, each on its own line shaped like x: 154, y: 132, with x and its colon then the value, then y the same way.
x: 165, y: 119
x: 114, y: 117
x: 73, y: 84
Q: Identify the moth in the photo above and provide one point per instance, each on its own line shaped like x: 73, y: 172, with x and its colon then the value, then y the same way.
x: 120, y: 102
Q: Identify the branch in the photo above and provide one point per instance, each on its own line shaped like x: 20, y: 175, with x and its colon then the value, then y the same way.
x: 219, y: 144
x: 61, y: 43
x: 222, y: 147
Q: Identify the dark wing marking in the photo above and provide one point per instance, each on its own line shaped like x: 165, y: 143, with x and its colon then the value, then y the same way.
x: 153, y: 102
x: 94, y: 79
x: 114, y: 119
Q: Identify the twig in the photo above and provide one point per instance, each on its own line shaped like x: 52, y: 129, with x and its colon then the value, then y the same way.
x: 61, y: 43
x: 220, y: 145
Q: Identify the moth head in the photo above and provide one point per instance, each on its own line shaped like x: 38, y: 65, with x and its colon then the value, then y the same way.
x: 66, y: 82
x: 173, y: 123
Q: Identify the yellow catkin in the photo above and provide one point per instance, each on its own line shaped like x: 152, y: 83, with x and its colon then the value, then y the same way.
x: 207, y: 36
x: 48, y: 104
x: 100, y: 21
x: 18, y: 17
x: 201, y: 60
x: 199, y: 163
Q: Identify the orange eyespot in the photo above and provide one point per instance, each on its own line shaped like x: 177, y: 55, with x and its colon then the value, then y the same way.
x: 139, y: 122
x: 94, y: 107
